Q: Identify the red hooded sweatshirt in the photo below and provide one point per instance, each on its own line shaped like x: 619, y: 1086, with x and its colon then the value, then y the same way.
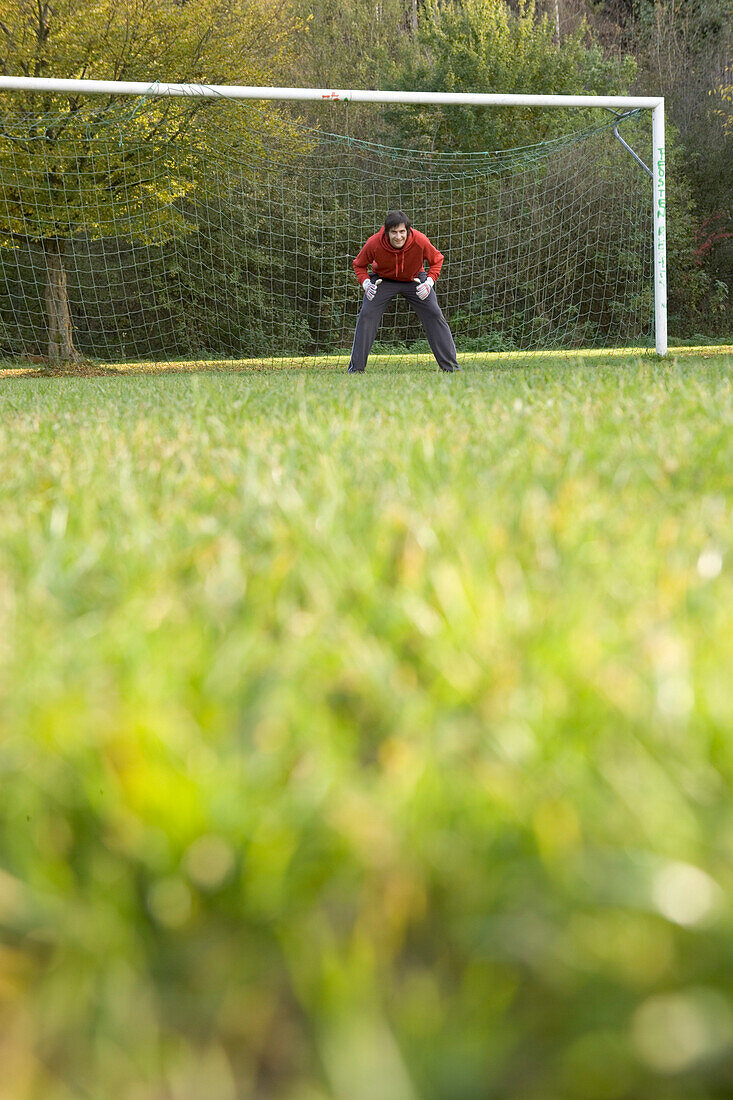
x: 402, y: 264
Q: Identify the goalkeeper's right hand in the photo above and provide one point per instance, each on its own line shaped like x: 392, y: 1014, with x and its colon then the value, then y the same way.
x: 370, y: 288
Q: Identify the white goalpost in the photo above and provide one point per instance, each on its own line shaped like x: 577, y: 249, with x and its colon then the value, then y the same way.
x: 23, y: 180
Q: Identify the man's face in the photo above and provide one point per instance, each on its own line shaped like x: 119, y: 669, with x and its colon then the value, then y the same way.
x: 397, y: 235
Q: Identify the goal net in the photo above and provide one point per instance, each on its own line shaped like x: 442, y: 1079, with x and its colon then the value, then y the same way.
x: 157, y: 230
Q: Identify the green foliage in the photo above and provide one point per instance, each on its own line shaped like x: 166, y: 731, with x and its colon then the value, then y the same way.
x: 482, y: 45
x: 349, y: 46
x: 368, y: 730
x: 684, y: 49
x: 48, y: 170
x: 723, y: 95
x: 147, y: 40
x: 50, y: 180
x: 53, y: 182
x: 698, y: 302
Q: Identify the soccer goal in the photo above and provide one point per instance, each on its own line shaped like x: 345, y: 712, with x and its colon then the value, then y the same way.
x: 172, y: 222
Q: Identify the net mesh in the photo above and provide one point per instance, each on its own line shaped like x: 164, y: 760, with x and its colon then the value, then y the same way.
x: 227, y: 231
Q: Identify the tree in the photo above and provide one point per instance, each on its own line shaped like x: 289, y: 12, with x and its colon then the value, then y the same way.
x: 360, y: 45
x: 46, y: 142
x: 350, y: 46
x: 470, y: 45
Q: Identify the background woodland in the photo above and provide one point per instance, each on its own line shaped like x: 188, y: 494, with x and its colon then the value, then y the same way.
x: 678, y: 48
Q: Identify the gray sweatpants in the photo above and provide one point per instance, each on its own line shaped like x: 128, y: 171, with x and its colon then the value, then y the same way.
x: 435, y: 325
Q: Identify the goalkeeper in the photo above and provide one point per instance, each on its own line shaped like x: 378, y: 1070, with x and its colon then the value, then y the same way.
x: 397, y: 255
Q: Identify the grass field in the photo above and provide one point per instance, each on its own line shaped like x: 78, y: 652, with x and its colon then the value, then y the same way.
x: 368, y: 738
x: 392, y: 362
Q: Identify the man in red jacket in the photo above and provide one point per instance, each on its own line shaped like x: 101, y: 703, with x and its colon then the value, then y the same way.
x: 397, y: 255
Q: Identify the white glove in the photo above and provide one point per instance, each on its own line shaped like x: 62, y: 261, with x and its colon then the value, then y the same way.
x: 423, y: 289
x: 370, y: 288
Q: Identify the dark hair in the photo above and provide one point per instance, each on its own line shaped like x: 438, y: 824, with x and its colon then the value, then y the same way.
x: 395, y: 218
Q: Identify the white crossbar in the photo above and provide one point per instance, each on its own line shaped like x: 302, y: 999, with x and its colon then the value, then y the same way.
x: 224, y: 91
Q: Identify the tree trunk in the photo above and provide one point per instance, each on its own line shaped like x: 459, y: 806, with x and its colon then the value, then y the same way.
x: 58, y: 316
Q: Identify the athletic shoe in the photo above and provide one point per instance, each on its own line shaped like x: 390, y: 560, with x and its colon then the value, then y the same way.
x: 355, y: 370
x: 450, y: 370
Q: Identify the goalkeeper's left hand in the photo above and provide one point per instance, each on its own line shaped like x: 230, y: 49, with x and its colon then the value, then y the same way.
x: 423, y: 289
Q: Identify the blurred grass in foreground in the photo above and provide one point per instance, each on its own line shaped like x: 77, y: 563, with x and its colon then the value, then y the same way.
x: 368, y: 738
